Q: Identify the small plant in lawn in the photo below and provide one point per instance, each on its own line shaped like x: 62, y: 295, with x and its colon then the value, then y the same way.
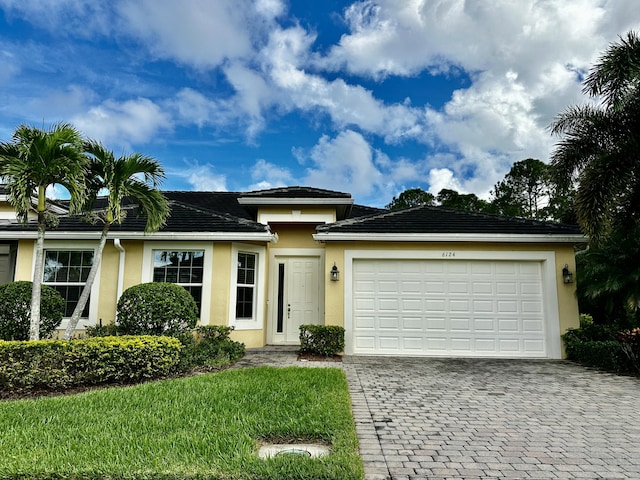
x: 326, y: 340
x: 209, y: 347
x: 15, y: 310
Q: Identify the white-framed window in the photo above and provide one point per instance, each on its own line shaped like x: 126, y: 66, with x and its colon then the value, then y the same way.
x: 67, y: 272
x: 185, y: 263
x: 246, y: 305
x: 246, y: 285
x: 66, y: 267
x: 183, y: 267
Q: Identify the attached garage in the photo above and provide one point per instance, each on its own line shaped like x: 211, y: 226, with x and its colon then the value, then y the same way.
x: 450, y: 307
x: 430, y: 281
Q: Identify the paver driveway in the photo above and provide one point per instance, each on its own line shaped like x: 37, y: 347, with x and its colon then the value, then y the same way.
x: 451, y: 418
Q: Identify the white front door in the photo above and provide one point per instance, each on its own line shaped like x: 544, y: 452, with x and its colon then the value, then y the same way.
x: 296, y: 299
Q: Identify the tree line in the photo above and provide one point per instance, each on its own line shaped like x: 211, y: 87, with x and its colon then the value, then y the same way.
x: 528, y: 190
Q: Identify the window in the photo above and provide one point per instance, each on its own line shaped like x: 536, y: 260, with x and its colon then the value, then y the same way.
x: 245, y: 285
x: 247, y: 297
x: 185, y: 268
x: 67, y: 272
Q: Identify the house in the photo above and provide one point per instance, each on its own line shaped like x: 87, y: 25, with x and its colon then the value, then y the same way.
x: 421, y: 281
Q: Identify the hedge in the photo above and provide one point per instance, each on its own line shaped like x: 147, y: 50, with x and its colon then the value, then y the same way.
x: 57, y: 365
x: 327, y: 340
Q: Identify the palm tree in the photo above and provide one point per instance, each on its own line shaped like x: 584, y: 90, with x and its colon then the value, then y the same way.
x: 135, y: 176
x: 600, y: 143
x: 34, y: 160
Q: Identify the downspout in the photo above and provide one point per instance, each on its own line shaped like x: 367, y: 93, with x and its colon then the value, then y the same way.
x: 120, y: 248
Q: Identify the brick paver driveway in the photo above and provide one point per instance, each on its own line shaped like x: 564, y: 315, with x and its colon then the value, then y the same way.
x: 450, y: 418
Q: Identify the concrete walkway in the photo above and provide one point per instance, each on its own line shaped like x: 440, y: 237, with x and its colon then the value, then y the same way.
x: 426, y: 418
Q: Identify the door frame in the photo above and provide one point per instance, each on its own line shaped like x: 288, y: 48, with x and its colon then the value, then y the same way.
x: 272, y: 306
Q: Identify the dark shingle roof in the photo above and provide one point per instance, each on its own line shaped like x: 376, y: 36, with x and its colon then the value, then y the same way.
x: 427, y: 219
x: 296, y: 192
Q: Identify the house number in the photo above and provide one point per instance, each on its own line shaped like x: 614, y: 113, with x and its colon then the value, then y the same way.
x: 448, y: 254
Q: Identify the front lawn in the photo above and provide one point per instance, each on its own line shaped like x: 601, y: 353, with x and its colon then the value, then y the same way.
x: 206, y: 426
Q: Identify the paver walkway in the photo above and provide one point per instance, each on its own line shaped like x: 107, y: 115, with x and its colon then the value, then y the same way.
x: 432, y: 418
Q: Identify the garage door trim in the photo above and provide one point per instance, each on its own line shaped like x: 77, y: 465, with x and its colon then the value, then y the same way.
x: 548, y: 272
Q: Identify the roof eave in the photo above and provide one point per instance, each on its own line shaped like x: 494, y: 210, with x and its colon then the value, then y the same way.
x: 450, y: 237
x: 165, y: 236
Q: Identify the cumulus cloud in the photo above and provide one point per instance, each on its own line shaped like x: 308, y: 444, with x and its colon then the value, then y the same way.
x: 524, y: 59
x: 129, y: 122
x: 440, y: 178
x: 268, y: 175
x: 200, y: 33
x: 201, y: 177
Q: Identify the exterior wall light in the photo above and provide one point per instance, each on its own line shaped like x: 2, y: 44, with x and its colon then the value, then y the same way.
x: 567, y: 276
x: 334, y: 275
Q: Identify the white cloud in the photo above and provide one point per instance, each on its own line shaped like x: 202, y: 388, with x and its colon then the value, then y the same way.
x: 83, y: 18
x: 524, y: 59
x: 200, y: 33
x: 268, y: 175
x: 201, y: 177
x: 61, y: 103
x: 440, y: 178
x: 130, y: 122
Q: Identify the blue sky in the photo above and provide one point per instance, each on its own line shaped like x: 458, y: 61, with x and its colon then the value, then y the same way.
x: 367, y: 97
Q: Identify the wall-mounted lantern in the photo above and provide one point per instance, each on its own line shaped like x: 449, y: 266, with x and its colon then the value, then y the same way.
x: 567, y: 276
x: 335, y: 273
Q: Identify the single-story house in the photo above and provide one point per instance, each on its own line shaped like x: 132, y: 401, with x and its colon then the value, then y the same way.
x: 418, y: 282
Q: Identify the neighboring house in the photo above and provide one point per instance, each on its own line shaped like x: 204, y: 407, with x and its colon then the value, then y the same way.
x: 421, y: 281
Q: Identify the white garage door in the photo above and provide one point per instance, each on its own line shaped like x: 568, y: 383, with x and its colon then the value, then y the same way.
x: 448, y: 308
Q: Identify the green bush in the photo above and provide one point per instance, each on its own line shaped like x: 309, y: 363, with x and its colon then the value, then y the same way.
x: 57, y: 365
x: 630, y: 343
x: 156, y: 309
x: 595, y: 345
x: 108, y: 330
x: 327, y: 340
x: 209, y: 347
x: 15, y: 310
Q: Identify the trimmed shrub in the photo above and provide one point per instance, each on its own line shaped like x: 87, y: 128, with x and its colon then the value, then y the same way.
x: 15, y: 310
x: 209, y: 347
x: 57, y: 365
x: 327, y: 340
x: 156, y: 309
x: 595, y: 345
x: 630, y: 344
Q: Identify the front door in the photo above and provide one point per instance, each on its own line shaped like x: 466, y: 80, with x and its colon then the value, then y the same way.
x: 297, y: 297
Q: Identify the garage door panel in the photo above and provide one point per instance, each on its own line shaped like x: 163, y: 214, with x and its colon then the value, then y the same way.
x: 391, y: 343
x: 436, y: 324
x: 388, y: 304
x: 412, y: 323
x: 411, y: 305
x: 435, y: 287
x: 506, y: 288
x: 363, y: 322
x: 448, y: 307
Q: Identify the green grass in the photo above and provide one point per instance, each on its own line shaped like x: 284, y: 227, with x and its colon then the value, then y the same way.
x: 206, y: 426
